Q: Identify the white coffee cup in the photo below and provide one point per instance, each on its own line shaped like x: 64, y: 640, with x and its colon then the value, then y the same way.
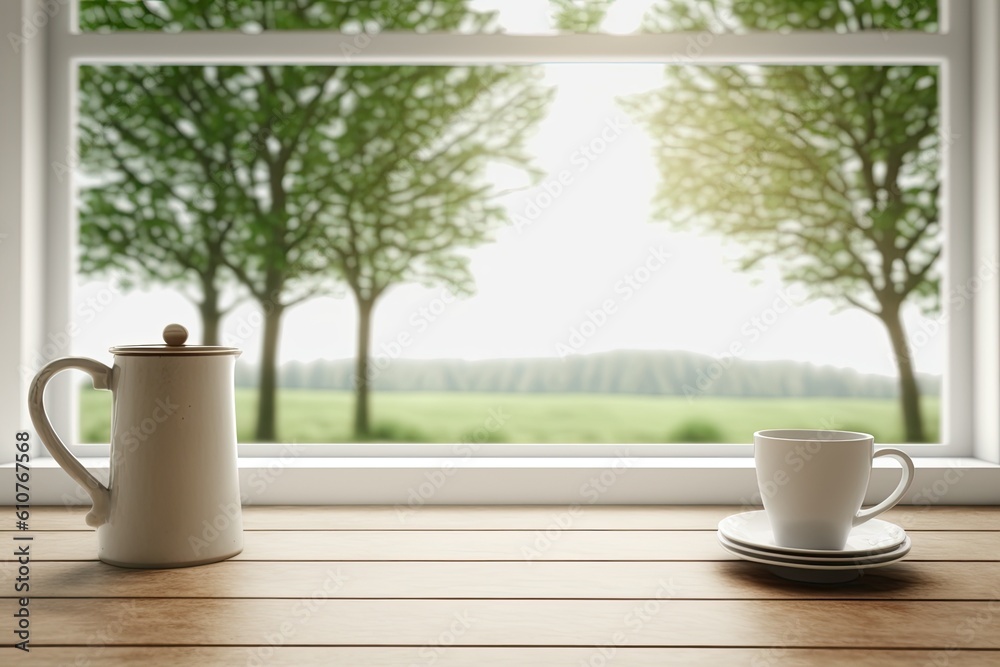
x: 813, y: 483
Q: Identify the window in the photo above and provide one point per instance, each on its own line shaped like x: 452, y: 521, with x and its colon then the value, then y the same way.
x: 724, y: 333
x: 642, y: 329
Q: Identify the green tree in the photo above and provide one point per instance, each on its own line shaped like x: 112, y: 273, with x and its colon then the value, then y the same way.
x: 149, y: 212
x: 828, y: 172
x: 385, y: 164
x: 214, y: 157
x: 413, y: 192
x: 196, y: 188
x: 273, y: 252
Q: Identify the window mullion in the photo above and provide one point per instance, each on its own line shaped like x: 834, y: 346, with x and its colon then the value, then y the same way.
x: 322, y: 47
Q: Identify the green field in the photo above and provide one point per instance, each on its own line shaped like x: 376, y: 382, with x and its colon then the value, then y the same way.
x: 325, y: 416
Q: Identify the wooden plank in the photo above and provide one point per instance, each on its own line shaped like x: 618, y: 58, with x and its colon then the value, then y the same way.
x: 529, y: 517
x: 422, y: 623
x: 285, y: 656
x: 507, y: 580
x: 502, y: 545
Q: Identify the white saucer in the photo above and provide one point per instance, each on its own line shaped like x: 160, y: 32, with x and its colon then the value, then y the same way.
x: 752, y: 529
x: 790, y: 559
x: 815, y: 573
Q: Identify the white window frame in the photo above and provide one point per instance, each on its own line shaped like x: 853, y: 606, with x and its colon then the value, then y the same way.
x: 42, y: 80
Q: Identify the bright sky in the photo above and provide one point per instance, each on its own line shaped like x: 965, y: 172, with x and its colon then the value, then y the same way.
x: 590, y: 246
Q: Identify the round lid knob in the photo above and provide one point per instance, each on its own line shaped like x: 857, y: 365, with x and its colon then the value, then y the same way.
x: 174, y: 335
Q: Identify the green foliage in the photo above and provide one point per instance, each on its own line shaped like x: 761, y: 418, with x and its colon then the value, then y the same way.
x: 788, y: 15
x: 484, y: 435
x: 284, y: 179
x: 353, y: 16
x: 147, y: 205
x: 386, y: 163
x: 410, y: 188
x: 392, y: 431
x: 697, y: 430
x: 828, y: 173
x: 579, y: 15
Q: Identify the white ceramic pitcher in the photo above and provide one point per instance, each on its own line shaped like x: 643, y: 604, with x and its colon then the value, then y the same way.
x: 173, y: 497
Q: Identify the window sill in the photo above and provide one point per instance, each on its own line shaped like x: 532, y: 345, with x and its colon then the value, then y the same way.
x: 409, y: 482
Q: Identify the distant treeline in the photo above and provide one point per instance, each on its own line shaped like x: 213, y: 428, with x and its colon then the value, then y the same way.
x: 623, y: 372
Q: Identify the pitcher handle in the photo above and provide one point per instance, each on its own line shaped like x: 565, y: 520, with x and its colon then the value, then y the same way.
x: 101, y: 375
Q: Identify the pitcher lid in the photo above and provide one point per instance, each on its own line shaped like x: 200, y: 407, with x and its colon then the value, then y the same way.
x: 174, y: 337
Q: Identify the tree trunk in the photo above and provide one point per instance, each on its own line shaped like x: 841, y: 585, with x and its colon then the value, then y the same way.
x: 909, y: 393
x: 267, y: 389
x: 361, y: 380
x: 211, y: 318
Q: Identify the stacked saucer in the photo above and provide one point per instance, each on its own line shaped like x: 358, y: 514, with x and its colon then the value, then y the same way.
x: 875, y: 543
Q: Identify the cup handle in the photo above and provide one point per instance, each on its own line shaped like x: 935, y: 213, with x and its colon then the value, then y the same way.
x: 894, y: 497
x: 101, y: 375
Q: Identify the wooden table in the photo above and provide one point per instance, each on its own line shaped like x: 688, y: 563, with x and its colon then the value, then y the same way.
x: 552, y: 586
